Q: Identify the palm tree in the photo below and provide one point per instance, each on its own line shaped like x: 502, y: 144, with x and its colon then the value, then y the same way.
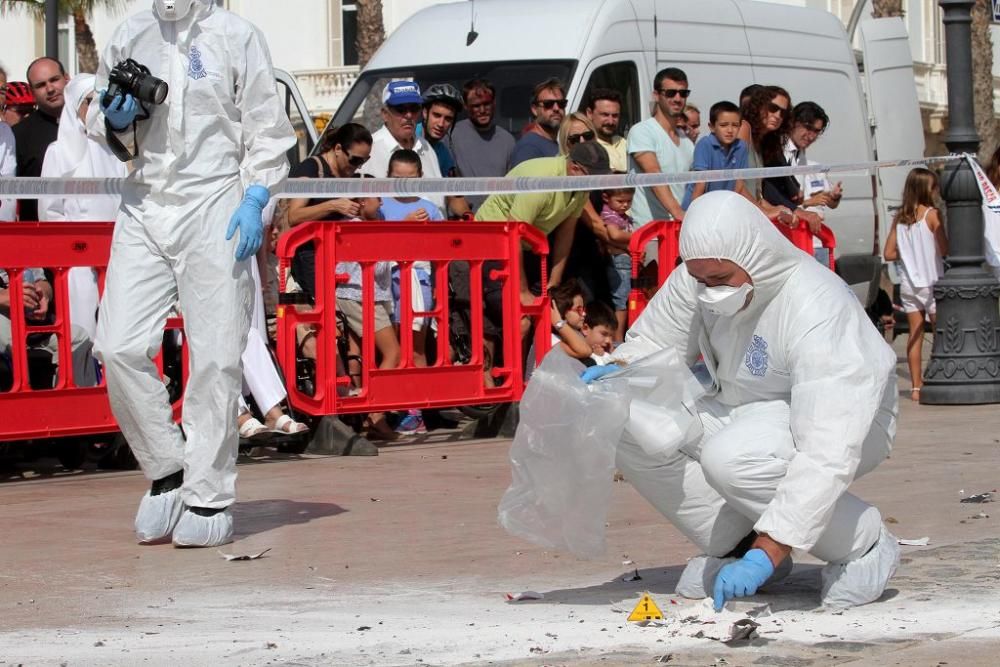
x: 982, y: 79
x: 80, y: 10
x: 371, y: 34
x: 886, y: 8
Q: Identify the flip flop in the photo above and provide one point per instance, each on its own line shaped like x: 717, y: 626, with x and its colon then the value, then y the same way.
x: 253, y: 430
x: 288, y: 426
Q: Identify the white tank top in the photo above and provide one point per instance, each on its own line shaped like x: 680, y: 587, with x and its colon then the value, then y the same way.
x: 918, y: 252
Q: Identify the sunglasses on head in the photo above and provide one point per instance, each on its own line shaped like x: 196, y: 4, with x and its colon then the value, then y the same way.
x: 674, y: 92
x: 548, y: 104
x: 574, y: 139
x: 774, y: 108
x: 402, y: 109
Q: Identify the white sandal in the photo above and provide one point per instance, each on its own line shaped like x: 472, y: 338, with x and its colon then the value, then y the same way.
x: 252, y: 429
x: 288, y: 426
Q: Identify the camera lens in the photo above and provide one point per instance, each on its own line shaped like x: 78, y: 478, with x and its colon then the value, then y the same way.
x: 150, y: 89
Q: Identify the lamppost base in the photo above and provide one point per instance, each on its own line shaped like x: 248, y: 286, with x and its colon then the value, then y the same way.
x: 964, y: 368
x: 960, y: 394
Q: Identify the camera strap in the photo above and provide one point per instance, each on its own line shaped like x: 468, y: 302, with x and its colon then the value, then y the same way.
x: 120, y: 150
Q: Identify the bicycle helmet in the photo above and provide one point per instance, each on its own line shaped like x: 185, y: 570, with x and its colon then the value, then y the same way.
x: 443, y: 93
x: 19, y: 94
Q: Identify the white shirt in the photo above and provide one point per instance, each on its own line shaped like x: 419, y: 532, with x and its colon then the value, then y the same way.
x: 8, y: 169
x: 384, y: 145
x: 922, y: 267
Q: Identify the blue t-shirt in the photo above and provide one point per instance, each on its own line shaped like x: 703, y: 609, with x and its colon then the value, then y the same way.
x: 709, y: 155
x: 531, y: 146
x: 394, y: 210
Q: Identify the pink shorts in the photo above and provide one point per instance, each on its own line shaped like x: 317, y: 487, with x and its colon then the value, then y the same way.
x: 917, y: 299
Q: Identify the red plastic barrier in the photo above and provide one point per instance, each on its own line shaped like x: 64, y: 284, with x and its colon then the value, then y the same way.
x: 668, y: 235
x: 802, y: 238
x: 443, y: 384
x: 65, y: 410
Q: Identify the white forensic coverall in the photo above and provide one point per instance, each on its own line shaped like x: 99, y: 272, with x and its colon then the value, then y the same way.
x: 804, y: 399
x: 74, y: 154
x: 221, y: 129
x: 8, y: 169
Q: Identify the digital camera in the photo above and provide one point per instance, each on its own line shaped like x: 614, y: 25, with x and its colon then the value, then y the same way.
x: 132, y: 78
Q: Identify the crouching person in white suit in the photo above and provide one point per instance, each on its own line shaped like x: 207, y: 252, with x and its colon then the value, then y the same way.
x: 804, y: 402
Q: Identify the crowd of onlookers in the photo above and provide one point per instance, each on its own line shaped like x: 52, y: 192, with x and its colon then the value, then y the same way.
x: 424, y: 134
x: 442, y: 131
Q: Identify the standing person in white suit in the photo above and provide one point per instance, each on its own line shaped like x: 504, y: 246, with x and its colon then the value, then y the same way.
x: 74, y: 154
x: 214, y: 146
x: 804, y: 401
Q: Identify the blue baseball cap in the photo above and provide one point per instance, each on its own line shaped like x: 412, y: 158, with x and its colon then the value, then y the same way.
x: 401, y: 92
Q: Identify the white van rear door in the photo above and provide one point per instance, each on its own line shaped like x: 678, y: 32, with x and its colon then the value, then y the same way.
x: 893, y: 108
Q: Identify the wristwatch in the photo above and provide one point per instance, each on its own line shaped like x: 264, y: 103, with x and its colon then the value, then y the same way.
x: 559, y: 325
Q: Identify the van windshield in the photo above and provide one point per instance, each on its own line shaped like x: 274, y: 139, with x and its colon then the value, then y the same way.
x: 514, y: 82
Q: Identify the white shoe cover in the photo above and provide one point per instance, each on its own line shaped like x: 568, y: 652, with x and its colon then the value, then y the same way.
x: 863, y: 579
x: 157, y: 516
x: 698, y: 578
x: 194, y: 530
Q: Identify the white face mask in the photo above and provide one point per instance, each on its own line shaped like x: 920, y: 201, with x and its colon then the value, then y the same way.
x: 172, y: 10
x: 724, y: 299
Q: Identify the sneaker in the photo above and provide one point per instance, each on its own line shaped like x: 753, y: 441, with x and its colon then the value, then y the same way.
x: 413, y: 422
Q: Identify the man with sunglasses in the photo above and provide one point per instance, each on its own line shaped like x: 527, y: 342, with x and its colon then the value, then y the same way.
x: 604, y: 109
x: 656, y: 146
x: 402, y: 108
x: 480, y: 147
x: 548, y: 108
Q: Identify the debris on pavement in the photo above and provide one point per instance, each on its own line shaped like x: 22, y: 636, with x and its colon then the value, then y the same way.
x: 632, y: 577
x: 984, y: 497
x: 726, y: 626
x: 244, y: 556
x: 919, y: 542
x: 524, y: 595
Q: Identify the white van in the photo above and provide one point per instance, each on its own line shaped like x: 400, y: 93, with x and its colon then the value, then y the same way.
x: 722, y: 45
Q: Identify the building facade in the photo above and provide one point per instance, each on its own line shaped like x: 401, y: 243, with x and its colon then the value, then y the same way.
x: 314, y: 40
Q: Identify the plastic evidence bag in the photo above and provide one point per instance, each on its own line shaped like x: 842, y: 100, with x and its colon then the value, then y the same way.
x: 563, y: 454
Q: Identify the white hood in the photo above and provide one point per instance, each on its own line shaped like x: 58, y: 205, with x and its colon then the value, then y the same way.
x: 725, y: 225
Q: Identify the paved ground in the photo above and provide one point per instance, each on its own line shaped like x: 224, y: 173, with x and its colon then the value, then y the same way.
x: 398, y: 560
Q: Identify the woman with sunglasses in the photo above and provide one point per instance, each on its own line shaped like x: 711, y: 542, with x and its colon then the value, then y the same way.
x: 585, y: 253
x: 340, y: 154
x: 766, y: 123
x: 574, y: 129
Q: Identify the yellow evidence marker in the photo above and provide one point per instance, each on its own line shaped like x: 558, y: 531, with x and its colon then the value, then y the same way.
x: 646, y: 610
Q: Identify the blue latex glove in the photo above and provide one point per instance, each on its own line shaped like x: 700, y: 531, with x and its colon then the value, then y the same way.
x: 743, y: 577
x: 594, y: 372
x: 121, y: 112
x: 248, y: 219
